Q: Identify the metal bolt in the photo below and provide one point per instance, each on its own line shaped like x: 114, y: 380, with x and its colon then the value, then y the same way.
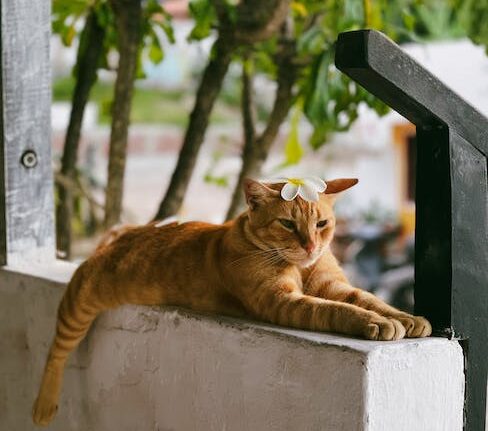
x: 29, y: 159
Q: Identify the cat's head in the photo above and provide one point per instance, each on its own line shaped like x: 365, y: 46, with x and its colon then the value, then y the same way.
x: 299, y: 231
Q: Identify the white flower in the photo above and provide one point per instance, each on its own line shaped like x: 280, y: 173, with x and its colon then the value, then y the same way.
x: 308, y: 188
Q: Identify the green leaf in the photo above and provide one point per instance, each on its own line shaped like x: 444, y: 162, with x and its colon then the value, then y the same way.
x: 317, y: 90
x: 58, y: 25
x: 219, y: 181
x: 140, y: 73
x: 156, y: 54
x: 70, y: 8
x: 408, y: 20
x: 153, y: 7
x: 68, y: 33
x: 210, y: 177
x: 204, y: 16
x: 168, y: 30
x: 319, y: 136
x: 312, y: 41
x: 299, y: 8
x: 293, y: 148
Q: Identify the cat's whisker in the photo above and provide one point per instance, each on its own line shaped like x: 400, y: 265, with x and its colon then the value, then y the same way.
x: 272, y: 259
x: 257, y: 254
x: 259, y: 262
x: 268, y: 258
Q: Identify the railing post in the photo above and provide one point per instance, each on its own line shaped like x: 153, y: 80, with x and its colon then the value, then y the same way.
x: 451, y: 263
x: 26, y: 184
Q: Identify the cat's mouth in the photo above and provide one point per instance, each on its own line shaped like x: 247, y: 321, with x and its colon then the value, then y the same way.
x: 301, y: 260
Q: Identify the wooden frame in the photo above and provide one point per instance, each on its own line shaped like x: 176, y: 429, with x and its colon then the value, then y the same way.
x: 26, y: 180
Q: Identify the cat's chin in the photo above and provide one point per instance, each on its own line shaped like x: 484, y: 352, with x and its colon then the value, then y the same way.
x: 306, y: 262
x: 301, y: 260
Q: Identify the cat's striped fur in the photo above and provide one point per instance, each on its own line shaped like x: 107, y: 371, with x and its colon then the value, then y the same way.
x: 254, y: 266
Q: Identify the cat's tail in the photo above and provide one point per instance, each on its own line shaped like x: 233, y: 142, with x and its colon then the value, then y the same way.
x: 75, y: 315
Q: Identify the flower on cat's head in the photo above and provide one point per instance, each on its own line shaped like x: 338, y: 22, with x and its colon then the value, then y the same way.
x: 308, y: 188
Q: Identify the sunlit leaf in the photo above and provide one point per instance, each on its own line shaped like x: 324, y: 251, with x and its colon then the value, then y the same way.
x: 299, y: 8
x: 156, y: 54
x: 293, y: 148
x: 69, y: 35
x: 408, y: 20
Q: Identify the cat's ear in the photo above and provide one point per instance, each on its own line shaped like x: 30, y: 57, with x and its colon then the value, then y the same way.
x: 257, y: 193
x: 339, y: 185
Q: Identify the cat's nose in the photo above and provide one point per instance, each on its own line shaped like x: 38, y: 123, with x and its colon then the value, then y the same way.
x: 309, y: 247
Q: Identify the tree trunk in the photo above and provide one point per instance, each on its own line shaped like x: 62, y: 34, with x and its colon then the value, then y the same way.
x: 247, y: 104
x: 89, y: 51
x: 208, y: 91
x: 128, y: 15
x: 254, y: 22
x: 255, y: 152
x: 248, y: 126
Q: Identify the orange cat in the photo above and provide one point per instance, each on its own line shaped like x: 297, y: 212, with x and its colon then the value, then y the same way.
x: 272, y: 263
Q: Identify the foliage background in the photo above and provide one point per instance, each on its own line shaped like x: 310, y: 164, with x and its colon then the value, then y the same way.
x: 297, y: 57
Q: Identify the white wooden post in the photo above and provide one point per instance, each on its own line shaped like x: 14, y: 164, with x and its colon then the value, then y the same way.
x: 26, y: 180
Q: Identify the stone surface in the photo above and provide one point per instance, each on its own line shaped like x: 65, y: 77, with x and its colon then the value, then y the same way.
x: 147, y: 368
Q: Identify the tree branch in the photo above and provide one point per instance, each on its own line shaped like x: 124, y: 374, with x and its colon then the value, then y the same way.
x: 89, y: 52
x: 256, y: 20
x: 256, y: 152
x: 259, y: 20
x: 207, y: 93
x: 247, y: 103
x: 128, y: 15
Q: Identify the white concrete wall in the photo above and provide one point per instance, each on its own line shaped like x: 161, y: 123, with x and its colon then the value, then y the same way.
x: 145, y: 368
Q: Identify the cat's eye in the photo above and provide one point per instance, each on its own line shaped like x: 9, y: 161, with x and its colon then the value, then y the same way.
x: 288, y: 224
x: 322, y: 223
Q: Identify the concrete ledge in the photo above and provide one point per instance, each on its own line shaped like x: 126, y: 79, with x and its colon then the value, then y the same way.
x: 146, y: 368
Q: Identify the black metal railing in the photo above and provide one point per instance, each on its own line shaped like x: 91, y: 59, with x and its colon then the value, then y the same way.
x: 451, y: 248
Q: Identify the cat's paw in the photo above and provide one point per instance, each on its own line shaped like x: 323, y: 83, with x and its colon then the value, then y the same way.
x: 44, y: 411
x: 415, y: 326
x: 384, y: 329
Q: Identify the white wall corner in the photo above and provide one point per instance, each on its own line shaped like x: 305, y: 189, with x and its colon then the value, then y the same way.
x: 416, y: 385
x: 149, y: 369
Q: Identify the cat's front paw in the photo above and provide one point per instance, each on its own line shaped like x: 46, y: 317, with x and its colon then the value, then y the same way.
x: 415, y: 326
x: 44, y: 411
x: 384, y: 329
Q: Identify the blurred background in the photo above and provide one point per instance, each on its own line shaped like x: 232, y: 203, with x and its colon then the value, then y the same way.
x: 161, y: 108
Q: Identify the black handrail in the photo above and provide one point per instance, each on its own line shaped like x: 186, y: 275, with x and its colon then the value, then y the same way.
x: 451, y: 246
